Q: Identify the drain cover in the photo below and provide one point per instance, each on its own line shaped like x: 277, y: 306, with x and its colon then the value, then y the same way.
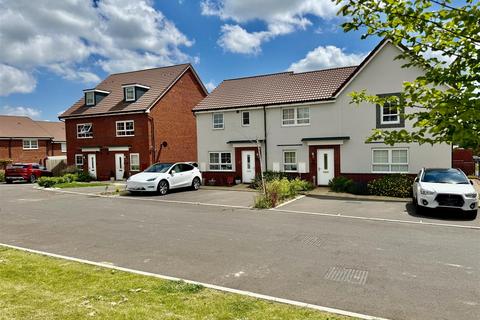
x: 309, y: 240
x: 349, y: 275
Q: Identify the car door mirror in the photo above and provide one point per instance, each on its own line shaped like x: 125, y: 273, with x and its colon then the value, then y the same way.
x: 471, y: 182
x: 416, y: 179
x: 172, y: 172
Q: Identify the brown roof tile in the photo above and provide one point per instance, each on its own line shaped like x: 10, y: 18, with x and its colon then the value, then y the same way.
x: 158, y: 79
x: 56, y: 129
x: 279, y: 88
x: 21, y: 127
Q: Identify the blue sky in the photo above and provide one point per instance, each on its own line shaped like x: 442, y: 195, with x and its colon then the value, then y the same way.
x: 50, y: 53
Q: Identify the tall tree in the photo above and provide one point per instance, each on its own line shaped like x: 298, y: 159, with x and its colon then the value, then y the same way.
x: 443, y: 38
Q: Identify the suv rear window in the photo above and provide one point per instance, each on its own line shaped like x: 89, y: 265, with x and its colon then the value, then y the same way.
x: 444, y: 176
x: 20, y: 166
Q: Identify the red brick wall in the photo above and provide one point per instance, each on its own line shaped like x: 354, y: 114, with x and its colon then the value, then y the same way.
x: 174, y: 122
x: 104, y: 136
x: 55, y: 149
x: 20, y: 155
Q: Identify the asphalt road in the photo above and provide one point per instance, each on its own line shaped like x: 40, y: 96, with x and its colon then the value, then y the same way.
x: 385, y: 269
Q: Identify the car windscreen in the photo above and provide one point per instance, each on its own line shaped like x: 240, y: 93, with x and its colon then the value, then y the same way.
x: 159, y: 167
x: 444, y: 176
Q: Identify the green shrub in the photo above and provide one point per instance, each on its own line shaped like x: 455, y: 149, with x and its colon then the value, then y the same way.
x: 4, y: 163
x: 393, y: 185
x: 268, y: 176
x: 47, y: 182
x: 70, y: 177
x: 340, y: 184
x: 278, y: 190
x: 2, y: 176
x: 69, y: 169
x: 83, y: 176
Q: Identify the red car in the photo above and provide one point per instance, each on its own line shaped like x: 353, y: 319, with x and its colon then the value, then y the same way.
x: 28, y: 172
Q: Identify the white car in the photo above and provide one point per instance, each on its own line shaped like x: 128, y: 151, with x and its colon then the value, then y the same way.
x: 445, y: 188
x: 161, y: 177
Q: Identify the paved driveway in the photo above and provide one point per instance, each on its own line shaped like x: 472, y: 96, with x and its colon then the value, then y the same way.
x: 387, y: 269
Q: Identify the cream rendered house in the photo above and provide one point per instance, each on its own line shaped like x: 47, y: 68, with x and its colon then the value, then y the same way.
x: 304, y: 124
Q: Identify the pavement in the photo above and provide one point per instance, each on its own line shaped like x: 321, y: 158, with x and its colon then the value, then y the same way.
x: 346, y: 260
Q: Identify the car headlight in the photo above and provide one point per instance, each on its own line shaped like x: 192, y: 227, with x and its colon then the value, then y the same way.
x: 151, y: 179
x: 426, y: 192
x: 471, y: 195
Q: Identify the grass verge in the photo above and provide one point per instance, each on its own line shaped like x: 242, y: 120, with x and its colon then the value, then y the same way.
x: 38, y: 287
x: 80, y: 185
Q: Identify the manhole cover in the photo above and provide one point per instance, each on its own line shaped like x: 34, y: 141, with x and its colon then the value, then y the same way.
x: 349, y: 275
x: 309, y: 240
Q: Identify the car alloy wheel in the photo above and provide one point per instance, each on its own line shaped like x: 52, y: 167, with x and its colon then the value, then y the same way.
x: 196, y: 184
x: 163, y: 187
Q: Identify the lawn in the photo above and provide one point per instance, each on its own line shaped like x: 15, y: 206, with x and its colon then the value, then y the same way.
x: 76, y: 184
x: 38, y: 287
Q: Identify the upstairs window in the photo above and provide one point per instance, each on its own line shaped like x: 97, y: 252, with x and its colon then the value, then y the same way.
x: 84, y: 130
x: 295, y: 116
x: 125, y: 128
x: 246, y: 118
x: 30, y: 144
x: 130, y: 93
x: 218, y: 121
x: 389, y: 115
x: 90, y: 98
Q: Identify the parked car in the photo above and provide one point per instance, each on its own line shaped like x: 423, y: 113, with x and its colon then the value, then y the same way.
x: 28, y: 172
x: 445, y: 188
x: 161, y: 177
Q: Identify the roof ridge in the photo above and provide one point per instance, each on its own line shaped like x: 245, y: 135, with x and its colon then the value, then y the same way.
x: 154, y: 68
x: 260, y: 75
x: 328, y: 69
x: 12, y: 115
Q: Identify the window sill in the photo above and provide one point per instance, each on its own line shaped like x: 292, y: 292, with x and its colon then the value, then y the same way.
x: 84, y: 137
x: 296, y: 125
x: 218, y: 128
x: 132, y: 135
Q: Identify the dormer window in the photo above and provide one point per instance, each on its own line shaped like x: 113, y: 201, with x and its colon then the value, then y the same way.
x: 133, y: 91
x: 130, y: 93
x: 90, y: 98
x: 94, y: 96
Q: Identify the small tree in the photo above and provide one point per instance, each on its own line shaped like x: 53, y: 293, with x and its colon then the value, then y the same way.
x: 444, y: 40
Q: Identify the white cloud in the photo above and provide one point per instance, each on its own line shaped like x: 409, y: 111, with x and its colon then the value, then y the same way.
x: 210, y: 86
x: 326, y: 57
x: 13, y: 80
x: 116, y: 35
x: 280, y: 16
x: 20, y: 111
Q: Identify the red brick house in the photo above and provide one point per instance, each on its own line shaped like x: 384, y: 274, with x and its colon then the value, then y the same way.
x: 133, y: 119
x: 25, y: 140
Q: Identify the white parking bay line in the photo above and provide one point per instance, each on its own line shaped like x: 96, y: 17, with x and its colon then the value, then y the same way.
x: 339, y: 215
x: 206, y: 285
x: 147, y: 199
x: 289, y: 201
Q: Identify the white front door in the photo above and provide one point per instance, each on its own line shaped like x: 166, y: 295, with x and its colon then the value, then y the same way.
x: 92, y: 164
x: 248, y: 166
x: 325, y: 166
x: 119, y: 166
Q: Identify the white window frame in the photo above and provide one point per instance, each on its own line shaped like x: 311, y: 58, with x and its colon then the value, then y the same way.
x: 124, y: 130
x: 87, y: 93
x: 133, y: 92
x: 84, y: 135
x: 213, y: 121
x: 382, y: 121
x: 296, y: 119
x: 290, y: 163
x: 390, y: 160
x: 249, y: 119
x: 30, y: 145
x: 78, y: 164
x: 137, y: 164
x: 63, y: 147
x: 220, y: 163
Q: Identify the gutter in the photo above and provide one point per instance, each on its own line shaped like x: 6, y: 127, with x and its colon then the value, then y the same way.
x: 265, y: 135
